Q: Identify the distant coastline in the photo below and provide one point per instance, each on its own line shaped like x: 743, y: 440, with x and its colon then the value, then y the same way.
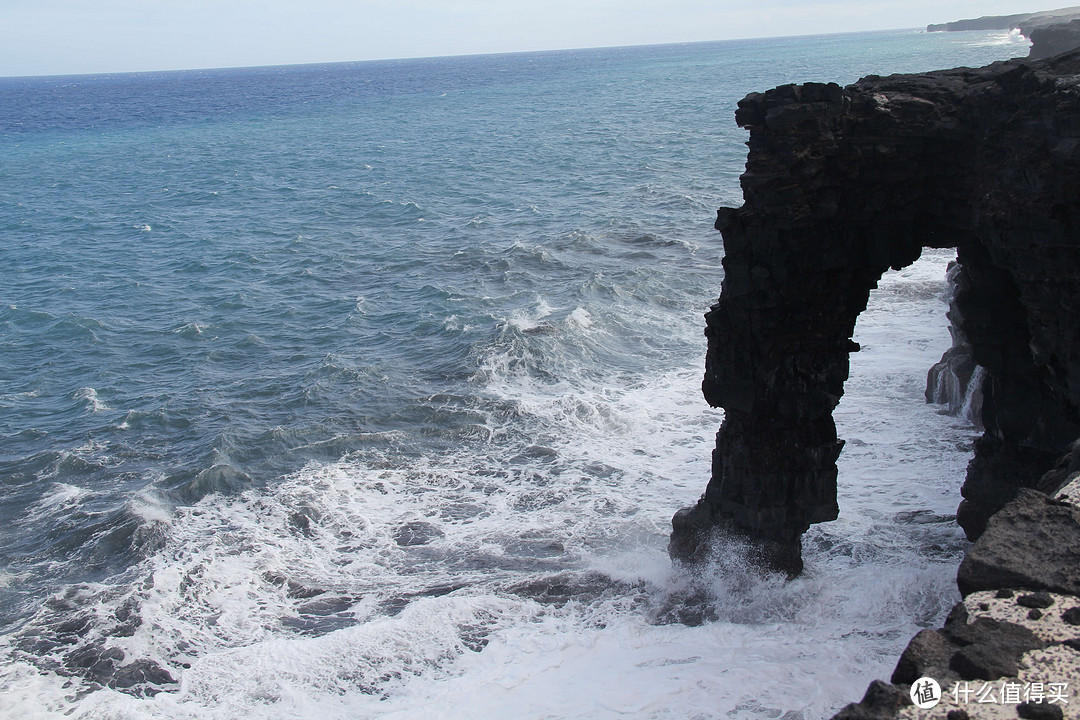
x: 1009, y: 22
x: 1051, y: 32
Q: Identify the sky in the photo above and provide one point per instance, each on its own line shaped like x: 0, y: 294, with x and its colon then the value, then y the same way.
x: 55, y: 37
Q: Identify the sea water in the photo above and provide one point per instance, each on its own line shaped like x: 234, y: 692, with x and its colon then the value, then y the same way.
x: 369, y: 390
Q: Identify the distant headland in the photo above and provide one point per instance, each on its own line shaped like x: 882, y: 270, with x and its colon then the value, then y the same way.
x: 1051, y: 32
x: 1008, y: 22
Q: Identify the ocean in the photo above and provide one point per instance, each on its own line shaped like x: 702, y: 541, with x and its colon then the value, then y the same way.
x: 368, y: 390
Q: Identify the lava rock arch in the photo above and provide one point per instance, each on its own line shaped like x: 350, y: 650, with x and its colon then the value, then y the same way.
x: 842, y: 184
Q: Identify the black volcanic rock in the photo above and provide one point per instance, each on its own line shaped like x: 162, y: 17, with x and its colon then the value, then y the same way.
x: 927, y: 654
x: 1051, y: 32
x: 987, y: 22
x: 881, y: 702
x: 1048, y: 40
x: 955, y: 380
x: 1039, y: 711
x: 1039, y: 600
x: 842, y: 184
x: 983, y: 650
x: 1006, y: 556
x: 988, y: 649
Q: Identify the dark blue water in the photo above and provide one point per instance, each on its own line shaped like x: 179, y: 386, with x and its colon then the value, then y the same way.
x: 436, y: 321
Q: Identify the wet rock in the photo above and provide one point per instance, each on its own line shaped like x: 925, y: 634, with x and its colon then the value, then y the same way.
x: 416, y: 533
x: 697, y: 533
x: 955, y: 381
x: 842, y: 184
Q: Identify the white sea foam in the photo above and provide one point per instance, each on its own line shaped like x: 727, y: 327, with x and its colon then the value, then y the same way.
x: 28, y: 692
x: 190, y: 330
x: 971, y: 408
x: 60, y: 500
x: 91, y: 396
x: 149, y: 507
x: 531, y: 319
x: 13, y: 399
x: 284, y: 602
x: 1002, y: 38
x: 580, y: 316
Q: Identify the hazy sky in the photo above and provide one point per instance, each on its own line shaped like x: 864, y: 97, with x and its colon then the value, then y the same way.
x: 42, y: 37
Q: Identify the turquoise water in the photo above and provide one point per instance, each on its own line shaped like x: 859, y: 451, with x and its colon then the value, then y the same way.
x: 344, y: 388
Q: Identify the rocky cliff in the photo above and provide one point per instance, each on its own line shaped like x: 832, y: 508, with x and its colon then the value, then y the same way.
x: 842, y: 184
x: 1051, y: 31
x: 1022, y: 21
x: 1049, y: 39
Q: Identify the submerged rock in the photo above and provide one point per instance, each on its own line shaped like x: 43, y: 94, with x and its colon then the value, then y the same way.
x: 415, y: 533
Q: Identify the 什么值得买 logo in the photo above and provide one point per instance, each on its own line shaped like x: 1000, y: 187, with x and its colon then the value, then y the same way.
x: 925, y: 693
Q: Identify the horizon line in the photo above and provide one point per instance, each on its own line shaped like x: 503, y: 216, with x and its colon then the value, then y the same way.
x: 456, y: 55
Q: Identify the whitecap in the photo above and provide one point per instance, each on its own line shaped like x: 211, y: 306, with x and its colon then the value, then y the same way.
x: 91, y: 396
x: 530, y: 320
x: 581, y: 317
x: 191, y: 330
x: 60, y: 499
x: 150, y: 507
x: 1001, y: 38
